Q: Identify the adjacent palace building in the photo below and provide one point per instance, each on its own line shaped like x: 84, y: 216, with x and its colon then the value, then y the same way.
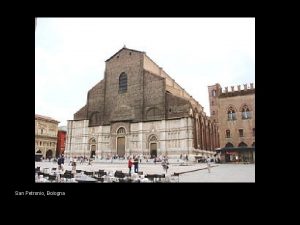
x: 234, y: 112
x: 45, y: 136
x: 139, y: 109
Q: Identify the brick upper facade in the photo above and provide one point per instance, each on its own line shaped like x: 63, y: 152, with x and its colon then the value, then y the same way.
x: 151, y: 93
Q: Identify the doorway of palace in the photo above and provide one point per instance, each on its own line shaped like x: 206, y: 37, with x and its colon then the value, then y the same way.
x: 93, y: 151
x: 153, y: 150
x: 121, y: 146
x: 49, y: 154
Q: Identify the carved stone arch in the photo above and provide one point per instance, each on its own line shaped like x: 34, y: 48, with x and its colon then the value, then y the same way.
x: 152, y: 137
x: 92, y: 140
x: 121, y: 131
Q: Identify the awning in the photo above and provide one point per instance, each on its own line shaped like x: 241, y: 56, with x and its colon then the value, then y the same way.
x: 228, y: 149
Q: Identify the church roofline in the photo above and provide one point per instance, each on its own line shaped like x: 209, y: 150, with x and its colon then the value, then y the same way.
x: 124, y: 48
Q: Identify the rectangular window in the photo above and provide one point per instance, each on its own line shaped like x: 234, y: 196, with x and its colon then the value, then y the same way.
x: 227, y: 133
x: 253, y: 132
x: 241, y: 132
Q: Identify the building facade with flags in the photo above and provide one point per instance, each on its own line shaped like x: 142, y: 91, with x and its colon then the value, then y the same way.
x: 234, y: 112
x: 139, y: 109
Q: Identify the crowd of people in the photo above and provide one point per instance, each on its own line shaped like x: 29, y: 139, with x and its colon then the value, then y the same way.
x: 133, y: 161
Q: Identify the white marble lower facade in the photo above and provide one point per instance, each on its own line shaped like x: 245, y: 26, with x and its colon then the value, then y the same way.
x: 165, y: 137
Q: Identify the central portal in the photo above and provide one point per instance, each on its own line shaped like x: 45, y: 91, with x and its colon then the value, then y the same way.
x: 121, y: 146
x: 93, y: 151
x: 153, y: 150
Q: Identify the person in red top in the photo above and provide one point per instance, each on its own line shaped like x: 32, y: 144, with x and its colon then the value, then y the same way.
x: 130, y: 165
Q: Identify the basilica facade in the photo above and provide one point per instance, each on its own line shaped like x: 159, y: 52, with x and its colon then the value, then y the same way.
x: 139, y: 109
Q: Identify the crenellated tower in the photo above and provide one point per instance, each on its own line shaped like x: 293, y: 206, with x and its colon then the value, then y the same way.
x: 213, y: 93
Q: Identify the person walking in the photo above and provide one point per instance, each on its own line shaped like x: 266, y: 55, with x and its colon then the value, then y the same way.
x: 165, y: 164
x: 74, y: 166
x: 61, y: 162
x: 208, y: 164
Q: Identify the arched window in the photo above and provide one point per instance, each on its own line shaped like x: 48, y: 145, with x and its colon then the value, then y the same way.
x: 121, y: 130
x: 246, y: 112
x: 231, y: 113
x: 123, y: 83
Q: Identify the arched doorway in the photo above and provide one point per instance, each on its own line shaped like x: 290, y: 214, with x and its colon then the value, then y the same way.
x: 93, y: 148
x: 153, y: 150
x: 93, y: 151
x: 153, y: 146
x: 49, y: 154
x: 121, y: 142
x: 242, y: 144
x: 229, y: 154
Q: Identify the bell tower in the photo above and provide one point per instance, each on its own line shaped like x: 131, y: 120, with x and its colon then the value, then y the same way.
x: 213, y: 93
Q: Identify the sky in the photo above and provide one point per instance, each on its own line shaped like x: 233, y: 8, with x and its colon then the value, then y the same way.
x: 70, y: 55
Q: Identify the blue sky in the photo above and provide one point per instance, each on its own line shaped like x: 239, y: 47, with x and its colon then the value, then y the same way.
x: 196, y: 52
